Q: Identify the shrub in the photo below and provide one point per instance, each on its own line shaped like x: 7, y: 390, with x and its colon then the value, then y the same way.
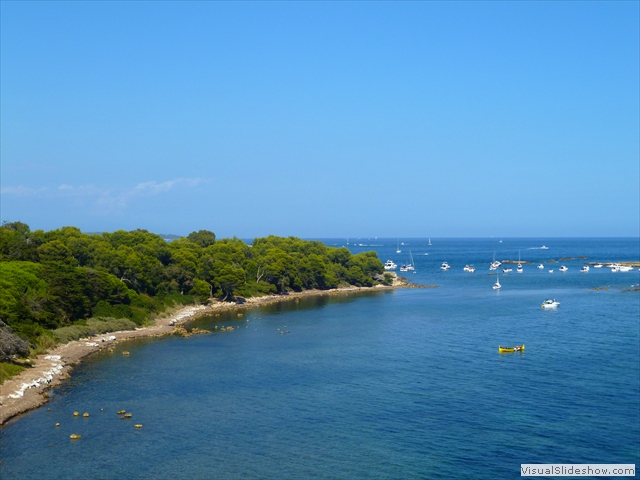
x: 8, y: 370
x: 43, y: 343
x: 95, y: 326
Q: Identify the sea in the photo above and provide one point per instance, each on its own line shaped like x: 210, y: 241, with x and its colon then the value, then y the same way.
x: 394, y: 384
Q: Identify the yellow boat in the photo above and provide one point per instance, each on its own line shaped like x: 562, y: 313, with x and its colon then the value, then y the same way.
x: 517, y: 348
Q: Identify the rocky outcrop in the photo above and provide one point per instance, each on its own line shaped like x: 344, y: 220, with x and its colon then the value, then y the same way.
x: 11, y: 345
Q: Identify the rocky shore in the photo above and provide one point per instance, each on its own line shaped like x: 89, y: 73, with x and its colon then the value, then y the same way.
x: 28, y: 390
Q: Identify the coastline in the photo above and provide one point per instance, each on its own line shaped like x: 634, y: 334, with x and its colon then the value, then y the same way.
x: 28, y: 390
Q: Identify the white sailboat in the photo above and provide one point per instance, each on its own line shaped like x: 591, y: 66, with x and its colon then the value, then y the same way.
x: 497, y: 286
x: 495, y: 264
x: 519, y: 270
x: 429, y: 242
x: 411, y: 266
x: 398, y: 248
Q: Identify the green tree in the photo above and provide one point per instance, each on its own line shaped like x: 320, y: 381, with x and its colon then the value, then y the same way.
x: 17, y: 242
x: 227, y: 278
x: 204, y: 238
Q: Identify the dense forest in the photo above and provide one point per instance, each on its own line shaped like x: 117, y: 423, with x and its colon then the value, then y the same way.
x: 51, y: 281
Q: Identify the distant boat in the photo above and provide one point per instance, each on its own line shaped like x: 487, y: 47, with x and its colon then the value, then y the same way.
x: 517, y: 348
x: 411, y: 265
x: 544, y: 247
x: 398, y: 248
x: 616, y: 267
x: 507, y: 270
x: 429, y: 242
x: 540, y: 266
x: 563, y: 268
x: 389, y: 265
x: 549, y: 304
x: 494, y: 265
x: 520, y: 270
x: 497, y: 286
x: 445, y: 266
x: 584, y: 269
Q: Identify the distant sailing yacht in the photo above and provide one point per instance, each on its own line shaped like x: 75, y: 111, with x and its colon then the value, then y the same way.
x: 411, y: 265
x: 497, y: 286
x: 429, y: 242
x: 398, y: 248
x: 520, y: 270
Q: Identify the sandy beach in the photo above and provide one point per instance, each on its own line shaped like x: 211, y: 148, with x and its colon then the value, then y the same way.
x: 28, y: 390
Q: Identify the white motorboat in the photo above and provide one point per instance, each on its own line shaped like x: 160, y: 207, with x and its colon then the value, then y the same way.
x: 469, y: 268
x: 584, y: 269
x: 549, y: 304
x: 551, y: 270
x: 563, y: 268
x: 507, y: 270
x: 389, y: 265
x: 544, y: 247
x: 598, y: 265
x: 445, y: 266
x: 540, y: 266
x: 403, y: 268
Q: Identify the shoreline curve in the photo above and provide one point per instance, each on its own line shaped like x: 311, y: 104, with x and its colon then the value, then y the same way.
x: 28, y: 390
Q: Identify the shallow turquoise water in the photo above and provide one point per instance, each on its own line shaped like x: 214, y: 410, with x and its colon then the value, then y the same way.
x: 400, y: 384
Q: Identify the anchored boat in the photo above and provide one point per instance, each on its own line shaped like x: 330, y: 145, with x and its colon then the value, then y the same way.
x: 517, y: 348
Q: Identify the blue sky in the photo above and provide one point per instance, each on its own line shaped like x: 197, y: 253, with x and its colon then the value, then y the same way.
x: 322, y: 119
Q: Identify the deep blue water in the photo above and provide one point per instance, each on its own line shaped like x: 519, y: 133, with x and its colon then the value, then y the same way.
x: 399, y: 384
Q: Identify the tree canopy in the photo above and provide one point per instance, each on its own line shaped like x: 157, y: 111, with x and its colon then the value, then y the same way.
x: 62, y: 277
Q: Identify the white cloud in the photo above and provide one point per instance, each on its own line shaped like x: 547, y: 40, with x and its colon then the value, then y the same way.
x: 22, y: 191
x: 106, y: 200
x: 153, y: 188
